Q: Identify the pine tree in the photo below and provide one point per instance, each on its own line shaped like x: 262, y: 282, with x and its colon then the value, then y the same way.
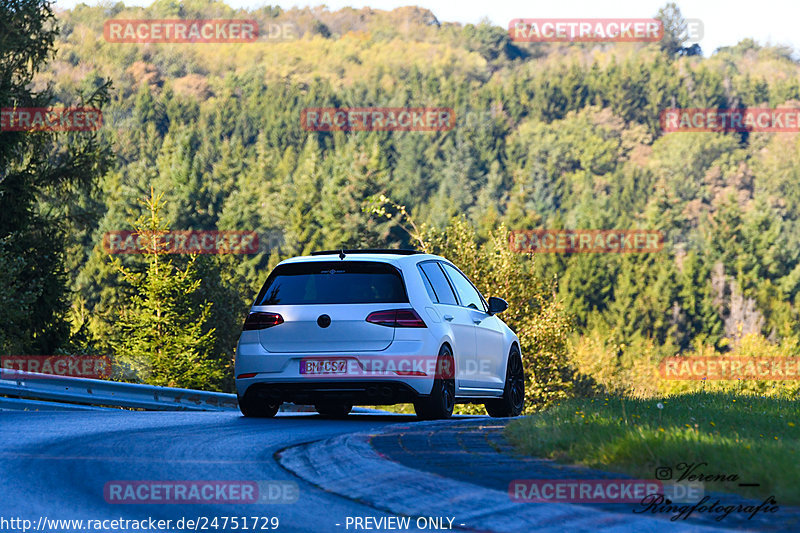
x: 162, y: 335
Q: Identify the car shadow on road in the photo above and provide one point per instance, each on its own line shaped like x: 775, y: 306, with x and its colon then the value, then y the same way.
x: 376, y: 416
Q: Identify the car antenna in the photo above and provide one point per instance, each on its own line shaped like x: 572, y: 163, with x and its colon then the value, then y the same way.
x: 342, y: 255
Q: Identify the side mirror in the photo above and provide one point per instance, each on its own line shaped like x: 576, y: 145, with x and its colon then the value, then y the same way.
x: 497, y: 305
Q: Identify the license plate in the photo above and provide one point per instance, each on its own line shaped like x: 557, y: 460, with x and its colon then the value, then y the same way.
x: 323, y: 366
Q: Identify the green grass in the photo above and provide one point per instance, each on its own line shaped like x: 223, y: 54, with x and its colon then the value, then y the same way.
x: 460, y: 409
x: 403, y: 408
x: 755, y: 438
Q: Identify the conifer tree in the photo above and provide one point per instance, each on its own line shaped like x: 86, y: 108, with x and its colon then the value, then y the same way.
x: 162, y: 335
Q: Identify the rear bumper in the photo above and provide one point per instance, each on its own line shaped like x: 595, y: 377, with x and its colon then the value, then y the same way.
x: 277, y: 376
x: 354, y: 392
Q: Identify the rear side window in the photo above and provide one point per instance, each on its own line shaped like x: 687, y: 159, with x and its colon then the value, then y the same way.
x: 439, y: 284
x: 329, y: 282
x: 469, y: 296
x: 427, y: 283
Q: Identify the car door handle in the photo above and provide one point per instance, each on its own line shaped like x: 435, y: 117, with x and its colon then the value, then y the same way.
x: 448, y: 317
x: 476, y: 321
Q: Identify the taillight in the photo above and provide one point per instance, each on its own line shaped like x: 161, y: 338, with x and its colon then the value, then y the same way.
x: 397, y: 318
x: 261, y: 320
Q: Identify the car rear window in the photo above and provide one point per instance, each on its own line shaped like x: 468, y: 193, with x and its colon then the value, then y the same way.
x: 333, y: 282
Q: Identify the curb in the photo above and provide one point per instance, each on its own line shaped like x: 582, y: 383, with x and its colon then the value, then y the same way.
x: 347, y: 465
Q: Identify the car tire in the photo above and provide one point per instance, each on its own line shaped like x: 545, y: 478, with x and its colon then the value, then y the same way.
x: 334, y: 410
x: 254, y: 406
x: 441, y: 401
x: 513, y: 400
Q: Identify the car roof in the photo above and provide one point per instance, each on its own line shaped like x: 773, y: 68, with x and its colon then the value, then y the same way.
x: 399, y: 259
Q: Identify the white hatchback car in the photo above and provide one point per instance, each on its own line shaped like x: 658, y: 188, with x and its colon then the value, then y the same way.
x: 376, y: 327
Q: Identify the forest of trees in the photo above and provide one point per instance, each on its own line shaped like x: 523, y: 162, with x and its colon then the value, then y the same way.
x: 547, y: 136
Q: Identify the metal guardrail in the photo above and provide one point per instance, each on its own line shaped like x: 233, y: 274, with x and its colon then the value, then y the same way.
x: 21, y: 404
x: 31, y: 385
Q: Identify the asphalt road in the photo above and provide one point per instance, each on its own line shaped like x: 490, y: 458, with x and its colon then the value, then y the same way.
x: 55, y: 465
